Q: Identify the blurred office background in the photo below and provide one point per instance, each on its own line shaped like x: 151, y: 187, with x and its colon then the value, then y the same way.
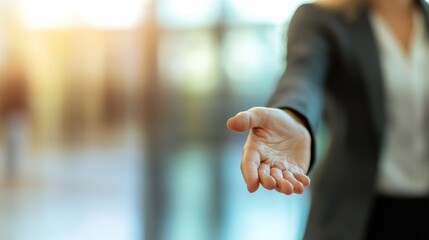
x: 112, y: 119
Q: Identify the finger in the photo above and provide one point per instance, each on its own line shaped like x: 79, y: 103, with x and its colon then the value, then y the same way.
x: 299, y: 174
x: 249, y: 169
x: 282, y: 185
x: 257, y: 116
x: 243, y: 121
x: 265, y: 177
x: 304, y: 179
x: 240, y: 122
x: 298, y: 186
x: 276, y: 174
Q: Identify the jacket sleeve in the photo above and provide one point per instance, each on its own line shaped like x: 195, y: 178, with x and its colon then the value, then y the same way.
x: 301, y: 87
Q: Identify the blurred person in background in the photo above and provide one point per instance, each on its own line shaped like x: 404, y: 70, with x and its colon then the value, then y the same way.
x: 364, y: 65
x: 14, y: 111
x: 14, y: 97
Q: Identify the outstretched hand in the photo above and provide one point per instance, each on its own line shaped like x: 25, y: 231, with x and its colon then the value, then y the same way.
x: 277, y: 151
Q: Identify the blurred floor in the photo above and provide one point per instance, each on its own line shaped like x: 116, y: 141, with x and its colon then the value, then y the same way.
x: 93, y: 192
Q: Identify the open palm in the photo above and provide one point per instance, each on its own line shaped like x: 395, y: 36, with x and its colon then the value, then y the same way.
x: 277, y: 151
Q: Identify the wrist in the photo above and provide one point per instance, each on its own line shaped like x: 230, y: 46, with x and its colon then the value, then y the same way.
x: 305, y: 135
x: 295, y: 117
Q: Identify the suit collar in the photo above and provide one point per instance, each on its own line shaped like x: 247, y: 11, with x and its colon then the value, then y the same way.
x: 368, y: 62
x: 368, y: 65
x: 424, y: 6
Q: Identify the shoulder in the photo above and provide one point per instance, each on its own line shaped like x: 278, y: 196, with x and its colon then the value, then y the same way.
x: 425, y: 6
x: 314, y: 17
x: 315, y: 10
x: 315, y: 14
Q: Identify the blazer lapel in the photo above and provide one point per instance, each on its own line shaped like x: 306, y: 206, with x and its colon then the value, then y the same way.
x: 425, y: 9
x: 368, y: 63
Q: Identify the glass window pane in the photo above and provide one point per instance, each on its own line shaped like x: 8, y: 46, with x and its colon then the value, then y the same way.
x: 253, y: 59
x: 189, y: 61
x: 190, y: 214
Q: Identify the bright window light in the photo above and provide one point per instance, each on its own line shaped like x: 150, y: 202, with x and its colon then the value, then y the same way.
x: 257, y: 11
x: 95, y: 13
x: 188, y: 13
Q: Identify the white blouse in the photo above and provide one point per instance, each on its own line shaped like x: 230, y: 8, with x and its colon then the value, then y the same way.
x: 404, y: 165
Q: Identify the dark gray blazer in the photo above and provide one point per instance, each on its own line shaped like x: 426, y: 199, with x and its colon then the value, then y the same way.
x: 333, y: 67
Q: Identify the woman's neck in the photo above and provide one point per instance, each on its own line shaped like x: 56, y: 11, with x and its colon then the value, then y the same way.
x: 398, y: 15
x: 393, y: 7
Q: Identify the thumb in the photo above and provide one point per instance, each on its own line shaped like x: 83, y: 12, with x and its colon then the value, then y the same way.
x: 246, y: 120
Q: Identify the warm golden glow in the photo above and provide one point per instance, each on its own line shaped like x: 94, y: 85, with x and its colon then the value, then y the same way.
x: 94, y: 13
